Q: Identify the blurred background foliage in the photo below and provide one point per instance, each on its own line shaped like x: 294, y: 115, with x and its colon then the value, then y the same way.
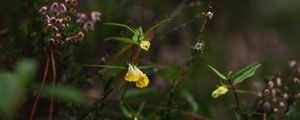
x: 240, y: 33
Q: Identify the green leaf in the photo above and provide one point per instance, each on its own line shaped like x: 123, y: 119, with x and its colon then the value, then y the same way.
x: 218, y: 73
x: 243, y: 91
x: 191, y: 100
x: 138, y: 34
x: 106, y: 66
x: 120, y: 25
x: 157, y: 25
x: 118, y: 67
x: 245, y: 73
x: 122, y: 39
x: 138, y: 113
x: 128, y: 113
x: 134, y: 93
x: 65, y: 93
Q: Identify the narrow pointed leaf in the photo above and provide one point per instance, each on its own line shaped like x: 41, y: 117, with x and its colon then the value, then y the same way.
x: 125, y: 110
x: 121, y: 25
x: 191, y: 100
x: 157, y: 25
x: 138, y: 113
x: 118, y: 67
x: 245, y: 73
x: 122, y: 39
x: 217, y: 72
x: 106, y: 66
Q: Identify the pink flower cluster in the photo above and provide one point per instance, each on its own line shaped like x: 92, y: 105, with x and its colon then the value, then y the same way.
x: 88, y: 22
x: 57, y: 18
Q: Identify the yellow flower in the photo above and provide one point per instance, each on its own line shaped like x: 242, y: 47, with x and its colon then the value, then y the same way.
x: 143, y: 82
x: 136, y: 75
x: 221, y: 90
x: 145, y: 44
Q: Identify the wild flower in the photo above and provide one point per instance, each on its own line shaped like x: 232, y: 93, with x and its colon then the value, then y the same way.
x: 221, y: 90
x: 280, y: 93
x: 139, y: 37
x: 57, y: 18
x: 198, y: 46
x: 145, y: 45
x: 88, y: 22
x: 136, y: 75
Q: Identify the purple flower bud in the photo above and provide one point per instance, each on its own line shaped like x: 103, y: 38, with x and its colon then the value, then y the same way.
x: 199, y: 46
x: 80, y: 35
x: 54, y: 7
x: 62, y: 8
x: 74, y: 2
x: 43, y: 10
x: 81, y: 17
x: 95, y: 16
x: 89, y: 25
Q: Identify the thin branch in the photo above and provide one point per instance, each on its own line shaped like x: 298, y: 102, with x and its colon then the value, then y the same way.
x: 189, y: 62
x: 39, y: 91
x: 236, y: 98
x: 53, y: 85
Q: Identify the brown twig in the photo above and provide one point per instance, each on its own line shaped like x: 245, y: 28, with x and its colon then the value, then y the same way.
x: 39, y: 91
x: 53, y: 85
x: 189, y: 62
x: 123, y: 50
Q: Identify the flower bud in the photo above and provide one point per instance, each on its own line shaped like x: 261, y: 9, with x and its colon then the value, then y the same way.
x: 95, y: 16
x: 281, y: 104
x: 209, y: 14
x: 266, y: 92
x: 278, y: 81
x: 221, y: 90
x: 271, y: 83
x: 43, y: 10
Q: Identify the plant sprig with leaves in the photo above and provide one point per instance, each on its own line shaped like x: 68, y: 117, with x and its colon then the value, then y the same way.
x: 233, y: 80
x: 139, y: 37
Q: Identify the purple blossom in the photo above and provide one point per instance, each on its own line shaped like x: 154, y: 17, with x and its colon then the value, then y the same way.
x: 54, y: 7
x: 95, y: 16
x: 199, y: 46
x: 81, y: 17
x: 62, y: 8
x: 89, y: 25
x: 57, y: 8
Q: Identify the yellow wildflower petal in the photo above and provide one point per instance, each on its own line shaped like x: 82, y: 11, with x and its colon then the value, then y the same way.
x: 132, y: 74
x: 221, y: 90
x: 145, y: 45
x: 142, y: 82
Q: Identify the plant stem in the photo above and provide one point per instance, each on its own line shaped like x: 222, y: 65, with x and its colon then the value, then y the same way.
x: 39, y: 91
x: 53, y: 85
x: 237, y: 101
